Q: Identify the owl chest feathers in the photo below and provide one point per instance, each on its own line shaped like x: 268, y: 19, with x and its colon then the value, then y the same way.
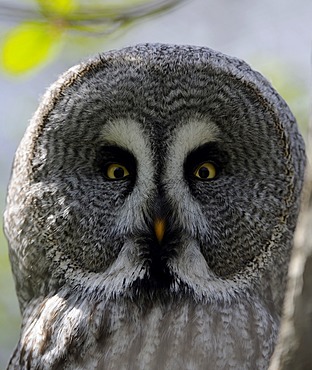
x: 173, y: 334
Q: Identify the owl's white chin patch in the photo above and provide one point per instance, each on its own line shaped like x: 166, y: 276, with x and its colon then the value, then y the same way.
x: 185, y: 271
x: 191, y: 269
x: 136, y: 273
x: 190, y: 265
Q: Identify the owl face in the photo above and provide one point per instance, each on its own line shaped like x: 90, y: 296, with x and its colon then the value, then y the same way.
x: 139, y: 138
x: 154, y: 193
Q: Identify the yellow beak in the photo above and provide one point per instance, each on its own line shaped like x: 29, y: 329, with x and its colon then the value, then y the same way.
x: 159, y: 227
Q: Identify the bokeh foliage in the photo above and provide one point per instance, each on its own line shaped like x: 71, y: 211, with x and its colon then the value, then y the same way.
x: 39, y: 31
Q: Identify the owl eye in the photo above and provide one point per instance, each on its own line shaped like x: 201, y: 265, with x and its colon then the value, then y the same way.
x: 116, y: 164
x: 205, y: 163
x: 206, y: 171
x: 116, y: 171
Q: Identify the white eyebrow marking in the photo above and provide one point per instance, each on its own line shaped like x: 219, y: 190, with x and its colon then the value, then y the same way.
x: 128, y: 134
x: 191, y: 135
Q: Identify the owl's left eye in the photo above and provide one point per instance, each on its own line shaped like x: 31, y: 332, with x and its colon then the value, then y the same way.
x: 206, y: 171
x: 205, y: 163
x: 116, y: 171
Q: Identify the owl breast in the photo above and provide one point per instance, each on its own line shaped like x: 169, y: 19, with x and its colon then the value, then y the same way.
x: 176, y: 334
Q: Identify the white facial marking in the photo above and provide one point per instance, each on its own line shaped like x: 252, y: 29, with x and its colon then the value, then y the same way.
x: 129, y: 134
x: 190, y: 136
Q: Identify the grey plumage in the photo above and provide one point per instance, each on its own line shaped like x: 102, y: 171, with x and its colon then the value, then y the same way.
x: 96, y: 288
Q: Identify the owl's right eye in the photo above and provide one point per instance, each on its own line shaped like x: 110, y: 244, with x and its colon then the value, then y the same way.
x: 206, y: 171
x: 116, y: 163
x: 116, y: 171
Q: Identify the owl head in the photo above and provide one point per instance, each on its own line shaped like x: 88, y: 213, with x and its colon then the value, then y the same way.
x: 156, y: 172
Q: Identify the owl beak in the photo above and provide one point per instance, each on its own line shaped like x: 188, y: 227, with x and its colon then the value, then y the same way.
x: 159, y: 227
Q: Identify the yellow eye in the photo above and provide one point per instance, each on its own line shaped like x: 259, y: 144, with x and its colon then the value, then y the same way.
x: 116, y: 171
x: 206, y: 171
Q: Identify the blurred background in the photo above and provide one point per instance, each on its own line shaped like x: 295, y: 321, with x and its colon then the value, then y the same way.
x: 274, y: 37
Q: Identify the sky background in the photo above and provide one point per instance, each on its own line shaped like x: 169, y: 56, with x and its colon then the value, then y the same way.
x: 275, y: 37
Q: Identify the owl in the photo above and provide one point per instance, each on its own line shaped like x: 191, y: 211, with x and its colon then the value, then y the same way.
x: 151, y: 212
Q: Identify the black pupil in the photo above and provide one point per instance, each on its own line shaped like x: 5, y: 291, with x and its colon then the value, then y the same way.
x: 203, y: 173
x: 119, y: 173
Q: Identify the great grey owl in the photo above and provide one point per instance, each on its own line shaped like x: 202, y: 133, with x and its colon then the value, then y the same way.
x: 151, y: 212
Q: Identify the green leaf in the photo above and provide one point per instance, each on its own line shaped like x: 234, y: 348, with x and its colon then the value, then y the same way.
x: 28, y: 45
x: 60, y: 7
